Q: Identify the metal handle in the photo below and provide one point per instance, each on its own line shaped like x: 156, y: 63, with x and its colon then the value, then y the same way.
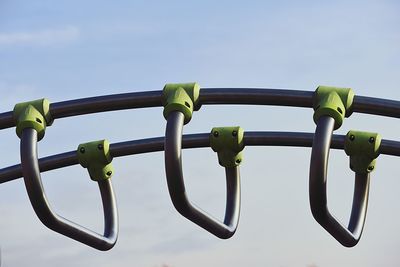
x: 176, y: 185
x: 349, y: 236
x: 37, y: 196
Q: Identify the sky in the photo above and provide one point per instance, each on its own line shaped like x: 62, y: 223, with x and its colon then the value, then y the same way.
x: 74, y: 49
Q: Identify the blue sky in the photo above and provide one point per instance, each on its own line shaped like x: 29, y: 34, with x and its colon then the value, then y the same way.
x: 77, y: 49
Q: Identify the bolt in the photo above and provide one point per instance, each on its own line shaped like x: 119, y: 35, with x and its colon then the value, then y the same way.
x: 216, y: 133
x: 100, y: 146
x: 371, y: 140
x: 238, y: 161
x: 352, y: 137
x: 370, y: 168
x: 109, y: 173
x: 234, y: 133
x: 82, y: 150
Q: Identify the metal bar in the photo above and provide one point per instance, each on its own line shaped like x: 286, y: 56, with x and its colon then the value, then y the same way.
x: 248, y: 96
x: 106, y: 103
x: 293, y: 139
x: 42, y: 207
x: 376, y: 106
x: 177, y: 191
x: 350, y: 236
x: 208, y: 96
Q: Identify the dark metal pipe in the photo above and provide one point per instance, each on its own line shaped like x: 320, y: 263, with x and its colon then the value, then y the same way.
x: 208, y: 96
x: 350, y: 236
x: 177, y: 191
x: 293, y: 139
x: 106, y: 103
x: 42, y: 208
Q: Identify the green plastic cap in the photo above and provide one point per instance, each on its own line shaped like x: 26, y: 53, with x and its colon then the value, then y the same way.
x: 363, y: 149
x: 33, y: 114
x: 183, y: 97
x: 96, y: 157
x: 228, y: 143
x: 333, y: 102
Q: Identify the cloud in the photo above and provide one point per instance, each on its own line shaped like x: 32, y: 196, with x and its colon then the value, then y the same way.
x: 42, y: 37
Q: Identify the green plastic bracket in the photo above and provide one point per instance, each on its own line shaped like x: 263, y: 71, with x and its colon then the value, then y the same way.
x: 33, y: 114
x: 183, y: 97
x: 228, y: 143
x: 96, y: 157
x: 363, y: 149
x: 334, y: 102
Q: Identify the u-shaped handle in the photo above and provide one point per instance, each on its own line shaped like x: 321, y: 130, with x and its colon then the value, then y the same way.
x: 176, y: 185
x: 349, y: 236
x: 41, y: 205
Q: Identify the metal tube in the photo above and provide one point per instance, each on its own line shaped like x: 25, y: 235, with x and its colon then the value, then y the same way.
x: 376, y: 106
x: 177, y: 191
x: 350, y: 236
x: 106, y: 103
x: 249, y: 96
x: 208, y: 96
x: 293, y: 139
x: 41, y: 205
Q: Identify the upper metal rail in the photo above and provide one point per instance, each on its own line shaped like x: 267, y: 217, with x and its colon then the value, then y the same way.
x: 294, y: 139
x: 208, y: 96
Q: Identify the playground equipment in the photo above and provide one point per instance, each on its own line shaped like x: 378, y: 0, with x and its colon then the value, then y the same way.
x: 331, y: 105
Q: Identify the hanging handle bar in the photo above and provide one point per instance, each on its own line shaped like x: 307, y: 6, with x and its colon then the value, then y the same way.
x: 177, y: 191
x: 349, y: 236
x: 41, y: 205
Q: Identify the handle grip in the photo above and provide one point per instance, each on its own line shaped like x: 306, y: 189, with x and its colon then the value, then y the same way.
x: 349, y: 236
x: 177, y: 191
x: 41, y: 205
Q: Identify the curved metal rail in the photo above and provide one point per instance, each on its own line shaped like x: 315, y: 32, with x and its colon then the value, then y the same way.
x: 177, y: 191
x: 350, y: 236
x: 41, y: 205
x: 148, y: 145
x: 208, y: 96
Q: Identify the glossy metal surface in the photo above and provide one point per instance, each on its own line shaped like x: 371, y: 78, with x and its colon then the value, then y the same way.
x: 177, y: 191
x: 150, y: 145
x: 349, y: 236
x: 41, y: 205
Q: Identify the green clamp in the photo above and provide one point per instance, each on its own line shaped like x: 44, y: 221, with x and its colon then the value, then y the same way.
x: 334, y: 102
x: 363, y: 149
x: 228, y: 143
x: 183, y: 97
x: 33, y: 114
x: 96, y: 157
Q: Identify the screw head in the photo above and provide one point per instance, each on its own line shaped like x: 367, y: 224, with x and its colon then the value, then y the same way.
x: 352, y: 137
x: 234, y: 133
x: 109, y: 173
x: 216, y: 133
x: 371, y: 140
x: 100, y: 146
x: 238, y: 161
x: 370, y: 168
x: 82, y: 150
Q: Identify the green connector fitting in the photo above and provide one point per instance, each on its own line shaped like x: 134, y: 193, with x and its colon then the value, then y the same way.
x: 96, y: 157
x: 33, y: 114
x: 228, y: 143
x: 363, y: 149
x: 334, y: 102
x: 183, y: 97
